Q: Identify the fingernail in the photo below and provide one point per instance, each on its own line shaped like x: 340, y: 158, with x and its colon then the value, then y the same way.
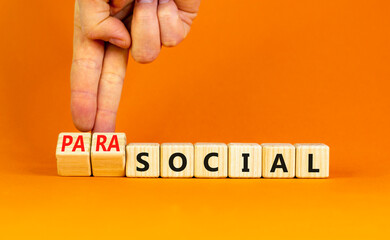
x: 118, y: 42
x: 144, y: 1
x: 163, y: 1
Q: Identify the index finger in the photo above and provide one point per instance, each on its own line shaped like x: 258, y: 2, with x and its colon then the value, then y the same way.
x: 85, y: 73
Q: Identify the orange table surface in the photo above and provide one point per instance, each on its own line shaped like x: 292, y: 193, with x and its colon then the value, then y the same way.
x: 259, y: 71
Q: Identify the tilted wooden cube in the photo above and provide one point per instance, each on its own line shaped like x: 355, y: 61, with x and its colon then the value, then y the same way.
x: 73, y: 154
x: 312, y: 160
x: 278, y: 160
x: 211, y: 160
x: 245, y: 160
x: 143, y: 160
x: 108, y: 156
x: 177, y: 160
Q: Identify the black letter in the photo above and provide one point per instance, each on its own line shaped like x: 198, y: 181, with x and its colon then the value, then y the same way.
x: 140, y: 160
x: 311, y: 169
x: 184, y: 164
x: 282, y: 163
x: 206, y: 162
x: 245, y: 168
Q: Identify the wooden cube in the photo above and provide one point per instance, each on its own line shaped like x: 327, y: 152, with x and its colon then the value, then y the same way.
x: 312, y: 160
x: 108, y: 155
x: 244, y: 160
x: 278, y: 160
x: 211, y: 160
x: 73, y: 154
x: 177, y: 160
x: 143, y: 160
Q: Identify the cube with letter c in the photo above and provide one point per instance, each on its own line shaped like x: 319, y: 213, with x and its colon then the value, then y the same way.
x: 211, y: 160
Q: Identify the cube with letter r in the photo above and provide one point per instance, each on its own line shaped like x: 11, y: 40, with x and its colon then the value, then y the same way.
x: 108, y: 154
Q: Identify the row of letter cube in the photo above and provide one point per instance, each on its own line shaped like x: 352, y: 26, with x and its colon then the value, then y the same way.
x: 107, y: 155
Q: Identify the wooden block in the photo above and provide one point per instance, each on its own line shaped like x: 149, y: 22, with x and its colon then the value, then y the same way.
x: 211, y: 160
x: 177, y: 160
x: 312, y: 160
x: 278, y: 160
x: 73, y: 154
x: 244, y: 160
x: 108, y: 155
x: 143, y: 160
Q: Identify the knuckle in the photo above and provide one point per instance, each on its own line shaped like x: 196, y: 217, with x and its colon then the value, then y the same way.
x: 112, y: 78
x: 143, y: 16
x: 106, y: 111
x: 89, y: 32
x: 172, y: 37
x: 165, y: 13
x: 144, y: 56
x: 86, y: 63
x: 172, y: 41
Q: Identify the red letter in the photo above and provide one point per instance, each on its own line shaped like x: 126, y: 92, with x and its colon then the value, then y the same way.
x: 79, y: 144
x: 101, y: 143
x: 65, y: 143
x: 112, y: 144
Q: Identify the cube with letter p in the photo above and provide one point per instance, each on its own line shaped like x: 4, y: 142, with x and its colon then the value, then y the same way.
x: 73, y: 154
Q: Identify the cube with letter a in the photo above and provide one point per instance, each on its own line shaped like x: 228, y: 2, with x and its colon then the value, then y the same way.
x: 278, y: 160
x: 73, y: 154
x: 108, y: 156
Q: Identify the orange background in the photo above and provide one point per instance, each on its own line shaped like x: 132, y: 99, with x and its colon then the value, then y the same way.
x: 250, y: 71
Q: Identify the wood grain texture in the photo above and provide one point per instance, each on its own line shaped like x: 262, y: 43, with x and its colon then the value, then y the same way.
x: 71, y: 160
x: 312, y: 160
x: 108, y: 161
x: 245, y: 160
x: 216, y: 153
x: 148, y: 152
x: 273, y: 155
x: 177, y: 160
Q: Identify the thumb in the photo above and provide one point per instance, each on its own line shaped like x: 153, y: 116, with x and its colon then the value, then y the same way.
x: 96, y: 23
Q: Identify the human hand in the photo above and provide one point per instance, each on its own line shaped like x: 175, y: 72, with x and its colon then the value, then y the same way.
x: 101, y: 45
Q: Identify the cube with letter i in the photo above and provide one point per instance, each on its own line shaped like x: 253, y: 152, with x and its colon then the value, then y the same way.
x: 244, y: 160
x: 143, y: 160
x: 312, y: 160
x: 211, y: 160
x: 73, y: 154
x: 108, y: 156
x: 278, y: 160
